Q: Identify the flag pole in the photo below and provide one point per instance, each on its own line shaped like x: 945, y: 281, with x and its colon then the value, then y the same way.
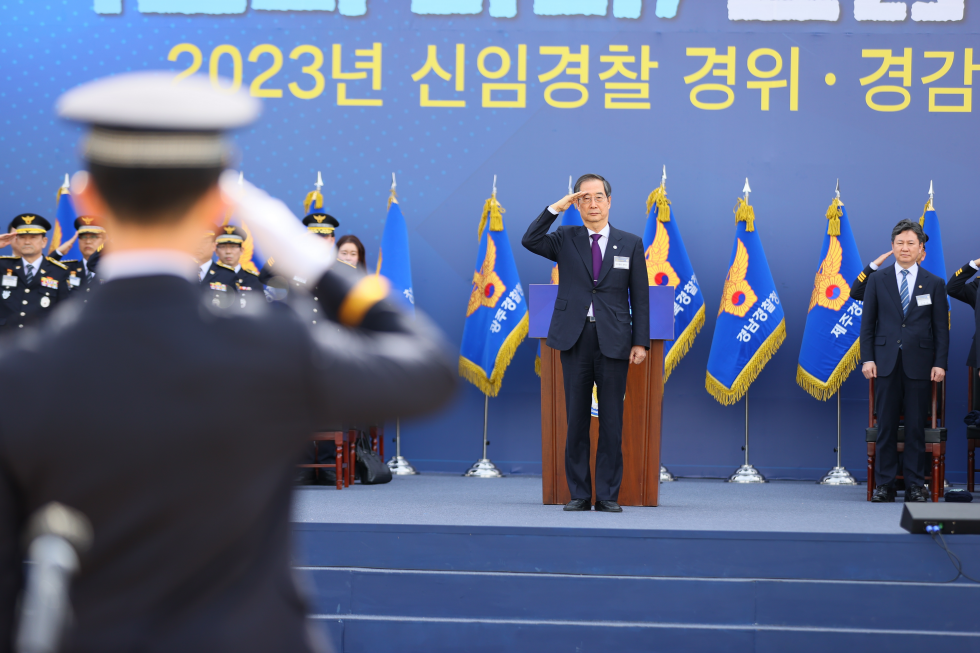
x: 747, y: 473
x: 398, y: 465
x: 665, y: 475
x: 838, y: 475
x: 484, y: 467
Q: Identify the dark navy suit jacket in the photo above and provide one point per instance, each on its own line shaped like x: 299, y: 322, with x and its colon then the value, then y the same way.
x: 617, y: 290
x: 922, y: 335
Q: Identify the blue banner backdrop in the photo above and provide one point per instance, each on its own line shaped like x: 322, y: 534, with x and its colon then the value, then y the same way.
x: 792, y: 94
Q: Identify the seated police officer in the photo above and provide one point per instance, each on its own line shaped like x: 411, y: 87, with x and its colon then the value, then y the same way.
x: 186, y: 485
x: 32, y: 285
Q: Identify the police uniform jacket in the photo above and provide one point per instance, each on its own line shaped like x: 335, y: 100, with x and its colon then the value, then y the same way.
x: 861, y: 283
x: 78, y: 267
x: 27, y: 303
x: 218, y: 284
x: 185, y: 558
x: 249, y: 287
x: 962, y: 288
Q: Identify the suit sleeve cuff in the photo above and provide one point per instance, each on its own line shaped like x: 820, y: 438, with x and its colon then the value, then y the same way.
x: 973, y: 264
x: 872, y: 266
x: 552, y: 211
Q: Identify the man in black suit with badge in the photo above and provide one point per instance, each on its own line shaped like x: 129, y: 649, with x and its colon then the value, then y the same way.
x: 904, y: 345
x: 188, y: 501
x: 602, y: 279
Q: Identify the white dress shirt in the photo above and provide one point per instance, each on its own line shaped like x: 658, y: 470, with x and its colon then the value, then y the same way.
x: 36, y: 264
x: 204, y: 267
x: 913, y: 273
x: 148, y: 263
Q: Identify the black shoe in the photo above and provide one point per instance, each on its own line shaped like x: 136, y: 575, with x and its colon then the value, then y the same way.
x: 326, y: 477
x: 607, y: 506
x: 914, y: 494
x: 578, y: 505
x: 883, y: 494
x: 303, y: 477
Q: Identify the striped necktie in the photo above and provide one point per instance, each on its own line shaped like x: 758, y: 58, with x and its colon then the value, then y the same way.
x: 904, y: 292
x: 29, y: 273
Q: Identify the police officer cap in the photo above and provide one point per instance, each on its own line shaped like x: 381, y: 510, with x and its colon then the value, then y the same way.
x: 30, y: 223
x: 322, y: 224
x: 230, y: 235
x: 145, y: 120
x: 89, y: 224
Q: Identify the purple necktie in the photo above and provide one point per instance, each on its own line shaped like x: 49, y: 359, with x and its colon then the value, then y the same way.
x: 596, y: 258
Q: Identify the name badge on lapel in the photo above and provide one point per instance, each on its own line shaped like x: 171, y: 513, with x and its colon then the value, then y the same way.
x: 621, y: 262
x: 923, y: 300
x: 9, y: 281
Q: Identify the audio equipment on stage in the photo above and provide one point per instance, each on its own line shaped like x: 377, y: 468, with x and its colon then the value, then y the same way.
x: 952, y: 518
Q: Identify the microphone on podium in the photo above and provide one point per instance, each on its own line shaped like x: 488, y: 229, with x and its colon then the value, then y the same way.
x: 56, y: 536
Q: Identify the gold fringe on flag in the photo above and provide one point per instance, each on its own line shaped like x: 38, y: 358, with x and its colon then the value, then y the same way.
x: 927, y: 207
x: 730, y: 396
x: 659, y: 197
x: 475, y: 374
x: 834, y: 213
x: 824, y: 391
x: 537, y: 365
x: 493, y: 209
x: 311, y: 197
x: 745, y: 213
x: 683, y: 343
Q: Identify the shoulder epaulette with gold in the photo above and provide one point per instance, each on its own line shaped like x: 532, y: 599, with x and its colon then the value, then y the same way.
x: 58, y: 263
x: 227, y: 267
x: 10, y: 257
x: 69, y: 260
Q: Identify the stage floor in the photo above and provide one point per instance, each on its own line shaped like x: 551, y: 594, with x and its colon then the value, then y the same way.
x: 686, y: 505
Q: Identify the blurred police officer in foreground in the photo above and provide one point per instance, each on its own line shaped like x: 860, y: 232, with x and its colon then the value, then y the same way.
x: 188, y: 501
x: 91, y: 235
x: 31, y: 284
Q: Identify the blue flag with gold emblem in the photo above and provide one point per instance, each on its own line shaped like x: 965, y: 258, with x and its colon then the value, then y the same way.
x: 570, y: 218
x: 934, y: 261
x: 669, y: 265
x: 831, y: 339
x: 394, y: 262
x: 751, y: 325
x: 496, y: 316
x: 65, y: 215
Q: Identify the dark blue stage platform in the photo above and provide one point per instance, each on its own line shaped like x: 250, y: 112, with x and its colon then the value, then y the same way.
x: 443, y: 563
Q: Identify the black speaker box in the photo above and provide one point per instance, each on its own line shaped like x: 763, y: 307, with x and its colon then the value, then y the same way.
x: 954, y: 518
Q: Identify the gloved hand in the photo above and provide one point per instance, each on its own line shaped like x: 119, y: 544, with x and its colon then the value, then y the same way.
x: 296, y: 251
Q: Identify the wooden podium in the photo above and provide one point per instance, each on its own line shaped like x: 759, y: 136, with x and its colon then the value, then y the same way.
x: 642, y: 410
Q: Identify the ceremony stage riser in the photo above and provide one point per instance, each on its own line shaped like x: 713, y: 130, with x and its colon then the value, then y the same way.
x: 535, y: 589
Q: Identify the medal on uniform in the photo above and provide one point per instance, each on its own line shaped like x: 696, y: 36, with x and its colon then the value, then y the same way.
x: 45, y: 302
x: 9, y: 280
x: 6, y: 294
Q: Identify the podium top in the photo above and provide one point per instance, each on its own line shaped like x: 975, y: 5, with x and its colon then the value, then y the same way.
x: 541, y: 304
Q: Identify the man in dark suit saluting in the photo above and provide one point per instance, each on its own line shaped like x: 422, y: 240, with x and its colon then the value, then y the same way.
x: 602, y: 274
x: 904, y: 344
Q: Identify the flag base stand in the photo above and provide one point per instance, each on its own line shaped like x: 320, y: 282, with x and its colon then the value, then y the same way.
x: 747, y: 473
x: 666, y: 476
x: 398, y: 465
x: 838, y: 475
x: 484, y: 467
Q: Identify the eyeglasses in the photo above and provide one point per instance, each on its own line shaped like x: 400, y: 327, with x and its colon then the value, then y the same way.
x: 589, y: 199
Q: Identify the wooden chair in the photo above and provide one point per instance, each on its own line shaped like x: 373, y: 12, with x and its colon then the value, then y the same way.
x: 343, y: 442
x: 935, y: 439
x: 377, y: 435
x: 972, y: 432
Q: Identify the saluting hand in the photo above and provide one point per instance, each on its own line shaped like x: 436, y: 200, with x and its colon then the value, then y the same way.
x: 881, y: 259
x: 567, y: 201
x: 64, y: 247
x: 6, y: 239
